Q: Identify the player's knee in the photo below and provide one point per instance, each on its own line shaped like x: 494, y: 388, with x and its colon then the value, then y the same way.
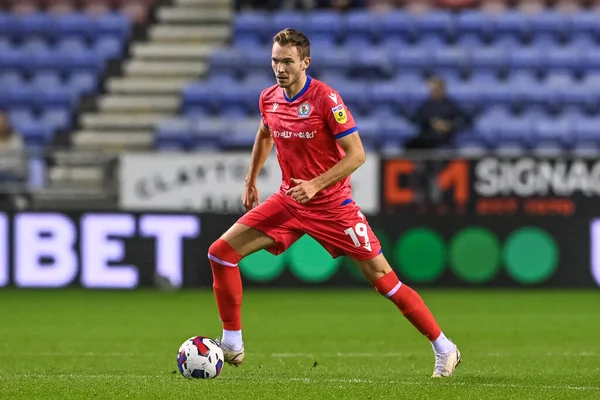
x: 222, y: 253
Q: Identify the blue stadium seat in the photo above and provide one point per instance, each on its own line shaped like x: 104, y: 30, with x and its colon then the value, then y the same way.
x: 590, y: 61
x: 563, y: 58
x: 474, y: 22
x: 35, y: 133
x: 517, y: 130
x: 397, y: 129
x: 586, y: 147
x: 525, y: 59
x: 109, y: 47
x: 397, y: 24
x: 492, y: 58
x: 582, y: 41
x: 226, y: 60
x: 551, y: 22
x: 511, y: 22
x: 74, y: 24
x: 82, y: 83
x: 545, y: 41
x: 374, y: 64
x: 173, y: 134
x: 114, y: 24
x: 469, y: 144
x: 35, y: 23
x: 451, y: 57
x: 585, y: 22
x: 356, y: 95
x: 558, y: 130
x: 200, y: 94
x: 508, y: 41
x: 251, y: 25
x: 328, y: 24
x: 470, y: 41
x: 287, y: 19
x: 587, y: 129
x: 49, y: 80
x: 578, y: 95
x: 59, y: 119
x: 242, y: 133
x: 431, y: 42
x: 412, y: 58
x: 495, y: 94
x: 362, y: 24
x: 385, y: 95
x: 467, y: 95
x: 210, y: 131
x: 439, y: 22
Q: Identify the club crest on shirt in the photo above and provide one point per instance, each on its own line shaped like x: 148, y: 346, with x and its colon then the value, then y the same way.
x: 304, y: 110
x: 340, y: 114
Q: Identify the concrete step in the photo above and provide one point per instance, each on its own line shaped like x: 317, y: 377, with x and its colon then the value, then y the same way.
x: 121, y: 103
x: 184, y: 69
x: 114, y: 140
x: 68, y: 175
x: 195, y: 15
x: 185, y: 33
x: 171, y: 51
x: 172, y: 85
x: 122, y: 121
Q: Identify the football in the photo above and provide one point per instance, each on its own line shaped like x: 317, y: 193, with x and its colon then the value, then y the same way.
x: 200, y: 357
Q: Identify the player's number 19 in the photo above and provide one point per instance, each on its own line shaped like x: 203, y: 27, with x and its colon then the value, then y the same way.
x: 359, y: 229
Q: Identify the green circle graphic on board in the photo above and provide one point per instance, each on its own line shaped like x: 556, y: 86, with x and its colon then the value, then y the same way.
x: 310, y: 262
x: 531, y: 255
x: 420, y: 255
x: 475, y: 255
x: 262, y: 266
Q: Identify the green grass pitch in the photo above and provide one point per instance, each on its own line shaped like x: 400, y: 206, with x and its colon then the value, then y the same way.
x: 344, y: 344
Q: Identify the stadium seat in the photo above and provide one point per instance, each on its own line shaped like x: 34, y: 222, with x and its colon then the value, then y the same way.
x: 474, y: 22
x: 361, y: 24
x: 251, y: 24
x: 328, y: 24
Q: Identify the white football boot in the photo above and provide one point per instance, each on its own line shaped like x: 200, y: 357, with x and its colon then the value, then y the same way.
x: 232, y: 357
x: 446, y: 363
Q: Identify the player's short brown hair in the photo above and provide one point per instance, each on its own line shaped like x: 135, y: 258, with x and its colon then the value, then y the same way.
x: 295, y: 38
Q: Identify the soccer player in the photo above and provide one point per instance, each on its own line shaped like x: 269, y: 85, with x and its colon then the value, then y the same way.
x: 318, y: 147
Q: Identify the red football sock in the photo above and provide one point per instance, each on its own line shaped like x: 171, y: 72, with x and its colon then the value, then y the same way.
x: 410, y: 304
x: 227, y: 283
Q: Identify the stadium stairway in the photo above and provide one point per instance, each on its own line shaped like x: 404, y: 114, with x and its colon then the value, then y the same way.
x: 149, y: 90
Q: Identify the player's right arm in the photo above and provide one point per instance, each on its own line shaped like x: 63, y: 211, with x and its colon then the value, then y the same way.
x: 263, y: 144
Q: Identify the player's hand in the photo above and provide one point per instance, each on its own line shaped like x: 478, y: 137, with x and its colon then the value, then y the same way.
x: 250, y: 197
x: 303, y: 192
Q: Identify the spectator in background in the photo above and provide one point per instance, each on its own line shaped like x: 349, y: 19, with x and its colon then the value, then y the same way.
x: 12, y: 154
x: 438, y: 118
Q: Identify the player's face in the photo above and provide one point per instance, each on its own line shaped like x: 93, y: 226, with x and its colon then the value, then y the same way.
x: 287, y: 65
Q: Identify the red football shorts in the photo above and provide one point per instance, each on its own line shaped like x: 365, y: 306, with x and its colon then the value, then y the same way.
x: 342, y: 230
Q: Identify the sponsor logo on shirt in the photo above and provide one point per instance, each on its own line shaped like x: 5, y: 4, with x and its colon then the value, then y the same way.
x: 275, y: 105
x: 293, y: 135
x: 340, y: 114
x: 304, y: 110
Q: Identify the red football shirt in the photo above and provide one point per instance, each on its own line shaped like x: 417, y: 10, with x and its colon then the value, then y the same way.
x: 305, y: 129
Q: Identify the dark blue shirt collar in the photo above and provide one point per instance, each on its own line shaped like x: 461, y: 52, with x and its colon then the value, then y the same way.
x: 304, y: 89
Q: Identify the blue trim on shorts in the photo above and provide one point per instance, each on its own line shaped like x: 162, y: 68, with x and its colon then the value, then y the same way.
x: 380, y: 251
x: 346, y: 133
x: 347, y: 201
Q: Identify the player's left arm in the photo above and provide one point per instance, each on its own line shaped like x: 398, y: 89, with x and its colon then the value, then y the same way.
x: 343, y: 127
x: 354, y: 158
